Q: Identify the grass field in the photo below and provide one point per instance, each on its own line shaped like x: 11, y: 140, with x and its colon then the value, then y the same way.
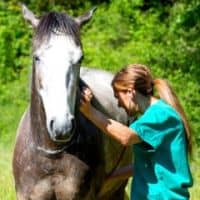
x: 7, y: 186
x: 6, y: 179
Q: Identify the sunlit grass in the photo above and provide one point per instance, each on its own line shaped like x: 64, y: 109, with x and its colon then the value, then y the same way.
x: 6, y: 179
x: 195, y: 190
x: 7, y: 191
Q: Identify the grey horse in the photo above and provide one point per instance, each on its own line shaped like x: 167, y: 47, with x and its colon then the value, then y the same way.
x: 59, y: 154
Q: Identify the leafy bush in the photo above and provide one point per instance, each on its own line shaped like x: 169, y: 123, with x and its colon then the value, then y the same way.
x: 14, y: 43
x: 122, y: 33
x: 164, y: 36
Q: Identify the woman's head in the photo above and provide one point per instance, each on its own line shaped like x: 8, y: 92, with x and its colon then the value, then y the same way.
x: 134, y: 76
x: 131, y: 82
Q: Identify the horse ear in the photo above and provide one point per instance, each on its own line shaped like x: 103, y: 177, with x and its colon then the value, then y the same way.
x: 85, y: 17
x: 29, y: 16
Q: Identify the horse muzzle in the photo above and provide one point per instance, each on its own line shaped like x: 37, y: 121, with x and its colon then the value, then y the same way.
x: 62, y: 132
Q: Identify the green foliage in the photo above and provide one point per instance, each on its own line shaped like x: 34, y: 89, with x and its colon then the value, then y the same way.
x: 122, y: 33
x: 14, y: 42
x: 13, y: 100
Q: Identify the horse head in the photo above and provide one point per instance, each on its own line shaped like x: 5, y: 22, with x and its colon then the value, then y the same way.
x: 57, y: 55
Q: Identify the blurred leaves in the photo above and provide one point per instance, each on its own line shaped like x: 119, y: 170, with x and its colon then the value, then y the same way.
x: 161, y: 34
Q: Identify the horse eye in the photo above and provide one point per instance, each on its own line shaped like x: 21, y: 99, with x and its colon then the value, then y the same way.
x: 80, y: 60
x: 36, y: 58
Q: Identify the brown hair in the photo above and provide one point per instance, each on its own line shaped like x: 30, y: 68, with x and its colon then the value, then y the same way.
x: 139, y: 77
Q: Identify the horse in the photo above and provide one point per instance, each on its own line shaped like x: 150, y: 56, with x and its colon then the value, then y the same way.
x: 58, y: 153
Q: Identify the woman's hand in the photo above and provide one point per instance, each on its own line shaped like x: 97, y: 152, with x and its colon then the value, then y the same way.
x: 85, y: 103
x: 115, y: 129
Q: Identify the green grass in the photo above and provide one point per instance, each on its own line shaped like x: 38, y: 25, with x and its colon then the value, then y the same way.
x: 7, y: 185
x: 6, y: 179
x: 195, y: 190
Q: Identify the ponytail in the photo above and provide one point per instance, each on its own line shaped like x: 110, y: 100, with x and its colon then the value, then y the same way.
x: 139, y: 77
x: 166, y: 93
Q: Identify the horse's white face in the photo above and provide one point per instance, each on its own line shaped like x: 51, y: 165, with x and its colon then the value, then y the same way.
x: 57, y: 65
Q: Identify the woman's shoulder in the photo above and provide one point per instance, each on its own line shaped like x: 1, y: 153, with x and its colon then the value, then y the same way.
x: 161, y: 111
x: 162, y: 106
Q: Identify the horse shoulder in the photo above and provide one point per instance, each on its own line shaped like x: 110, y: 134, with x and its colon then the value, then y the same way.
x: 99, y: 82
x: 22, y: 134
x: 21, y: 156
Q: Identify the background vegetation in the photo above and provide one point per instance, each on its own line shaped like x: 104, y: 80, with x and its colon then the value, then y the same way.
x: 163, y: 34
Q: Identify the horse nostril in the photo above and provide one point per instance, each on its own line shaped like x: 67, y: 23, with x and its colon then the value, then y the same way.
x: 73, y: 124
x: 58, y: 135
x: 62, y: 130
x: 51, y: 124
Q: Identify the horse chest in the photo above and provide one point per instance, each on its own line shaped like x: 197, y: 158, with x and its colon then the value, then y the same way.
x: 55, y: 187
x: 62, y: 178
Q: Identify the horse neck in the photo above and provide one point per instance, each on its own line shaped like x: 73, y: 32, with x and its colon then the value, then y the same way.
x: 38, y: 121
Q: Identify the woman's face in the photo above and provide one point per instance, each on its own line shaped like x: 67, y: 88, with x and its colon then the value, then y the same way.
x: 126, y: 100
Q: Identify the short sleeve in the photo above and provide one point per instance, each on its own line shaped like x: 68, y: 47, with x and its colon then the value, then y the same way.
x: 148, y: 133
x: 155, y: 125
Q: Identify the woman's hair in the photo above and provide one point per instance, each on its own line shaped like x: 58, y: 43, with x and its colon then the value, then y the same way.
x: 138, y: 77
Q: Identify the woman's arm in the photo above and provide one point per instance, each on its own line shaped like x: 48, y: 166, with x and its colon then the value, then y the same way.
x: 115, y: 129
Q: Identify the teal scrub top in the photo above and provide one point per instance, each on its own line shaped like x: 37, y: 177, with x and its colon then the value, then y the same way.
x: 161, y: 169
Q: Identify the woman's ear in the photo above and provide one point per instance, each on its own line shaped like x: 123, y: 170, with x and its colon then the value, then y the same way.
x: 131, y: 92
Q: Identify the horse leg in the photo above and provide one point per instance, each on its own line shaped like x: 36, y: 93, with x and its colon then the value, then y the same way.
x: 20, y: 196
x: 42, y: 191
x: 72, y: 189
x: 67, y: 189
x: 119, y: 194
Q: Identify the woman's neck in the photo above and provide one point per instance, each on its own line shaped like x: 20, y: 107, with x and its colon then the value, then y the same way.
x: 145, y: 101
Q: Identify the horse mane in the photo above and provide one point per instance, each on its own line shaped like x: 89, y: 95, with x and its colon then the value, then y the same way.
x: 57, y: 23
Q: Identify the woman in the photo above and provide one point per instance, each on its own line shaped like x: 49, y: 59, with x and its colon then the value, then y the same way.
x: 160, y: 136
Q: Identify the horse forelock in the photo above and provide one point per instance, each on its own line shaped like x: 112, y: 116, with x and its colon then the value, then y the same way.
x: 57, y: 23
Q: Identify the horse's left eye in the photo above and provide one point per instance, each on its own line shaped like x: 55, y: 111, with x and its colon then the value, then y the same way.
x: 36, y: 58
x: 80, y: 60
